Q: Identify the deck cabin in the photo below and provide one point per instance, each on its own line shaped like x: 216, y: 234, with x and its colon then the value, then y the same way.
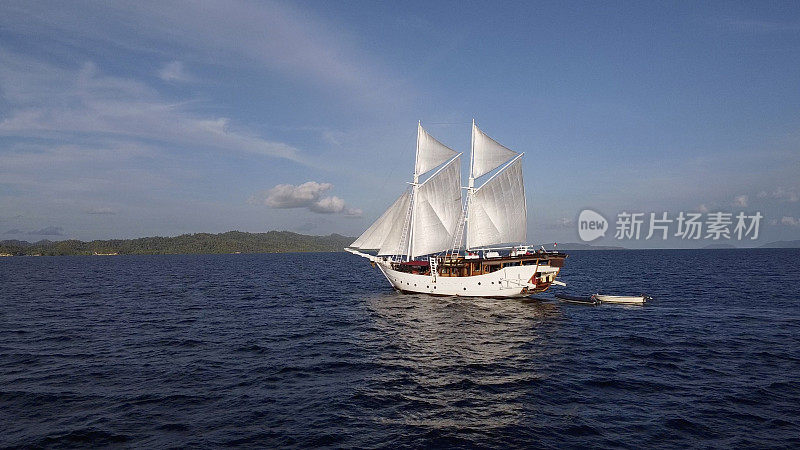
x: 461, y: 266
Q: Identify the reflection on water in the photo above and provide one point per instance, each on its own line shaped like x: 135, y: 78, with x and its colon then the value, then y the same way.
x: 462, y: 362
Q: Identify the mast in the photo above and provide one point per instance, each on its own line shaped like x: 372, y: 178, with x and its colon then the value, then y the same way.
x: 414, y: 188
x: 471, y: 183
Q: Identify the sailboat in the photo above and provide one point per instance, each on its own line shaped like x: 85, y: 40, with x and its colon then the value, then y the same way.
x: 434, y: 241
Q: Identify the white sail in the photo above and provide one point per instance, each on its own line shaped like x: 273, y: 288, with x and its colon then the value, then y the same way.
x: 487, y: 154
x: 430, y: 152
x: 497, y: 210
x: 385, y: 234
x: 393, y: 242
x: 437, y: 208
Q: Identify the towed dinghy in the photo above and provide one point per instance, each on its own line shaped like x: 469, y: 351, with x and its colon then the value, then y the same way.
x: 623, y: 299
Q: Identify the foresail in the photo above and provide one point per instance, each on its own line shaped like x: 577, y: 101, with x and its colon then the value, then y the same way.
x: 437, y: 209
x: 382, y: 233
x: 497, y: 210
x: 431, y: 152
x: 487, y: 154
x: 394, y: 238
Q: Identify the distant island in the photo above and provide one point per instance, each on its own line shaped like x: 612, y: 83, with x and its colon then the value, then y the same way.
x: 722, y: 246
x: 776, y: 244
x: 240, y: 242
x: 579, y: 246
x: 714, y: 246
x: 782, y: 244
x: 198, y: 243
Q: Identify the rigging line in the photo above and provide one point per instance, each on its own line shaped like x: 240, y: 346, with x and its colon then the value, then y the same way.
x: 447, y: 123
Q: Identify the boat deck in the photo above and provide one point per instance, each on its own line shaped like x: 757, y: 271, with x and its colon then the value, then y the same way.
x: 462, y: 266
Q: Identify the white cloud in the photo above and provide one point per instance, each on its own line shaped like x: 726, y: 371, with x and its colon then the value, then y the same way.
x: 790, y: 221
x: 85, y: 175
x: 101, y: 210
x: 48, y: 231
x: 174, y: 71
x: 740, y: 201
x: 307, y: 195
x: 353, y: 212
x: 52, y: 102
x: 277, y: 36
x: 328, y: 205
x: 561, y: 224
x: 34, y: 157
x: 333, y: 137
x: 781, y: 193
x: 274, y: 36
x: 291, y: 196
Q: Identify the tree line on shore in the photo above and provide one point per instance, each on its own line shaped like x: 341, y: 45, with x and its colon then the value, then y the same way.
x: 198, y: 243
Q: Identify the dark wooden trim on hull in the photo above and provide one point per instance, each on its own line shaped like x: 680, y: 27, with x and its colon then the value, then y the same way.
x: 467, y: 267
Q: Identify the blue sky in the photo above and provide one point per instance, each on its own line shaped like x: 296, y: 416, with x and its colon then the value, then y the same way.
x: 161, y: 118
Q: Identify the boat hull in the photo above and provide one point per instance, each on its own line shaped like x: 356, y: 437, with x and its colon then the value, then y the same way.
x: 506, y: 282
x: 621, y: 299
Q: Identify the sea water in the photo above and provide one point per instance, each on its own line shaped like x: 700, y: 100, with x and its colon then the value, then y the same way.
x: 315, y: 350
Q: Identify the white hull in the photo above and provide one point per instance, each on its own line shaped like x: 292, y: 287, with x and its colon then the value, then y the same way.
x: 506, y: 282
x: 623, y: 299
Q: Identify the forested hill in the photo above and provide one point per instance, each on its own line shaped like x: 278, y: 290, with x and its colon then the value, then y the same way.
x: 230, y: 242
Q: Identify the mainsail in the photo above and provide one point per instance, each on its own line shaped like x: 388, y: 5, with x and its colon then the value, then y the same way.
x: 487, y: 154
x: 430, y: 152
x: 437, y: 209
x: 385, y: 233
x: 497, y: 210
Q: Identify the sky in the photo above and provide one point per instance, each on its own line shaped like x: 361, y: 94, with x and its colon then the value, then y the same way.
x: 130, y: 119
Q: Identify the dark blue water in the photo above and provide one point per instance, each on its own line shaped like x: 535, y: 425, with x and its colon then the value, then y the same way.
x: 316, y: 350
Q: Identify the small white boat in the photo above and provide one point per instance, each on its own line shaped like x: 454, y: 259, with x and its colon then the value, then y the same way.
x: 626, y: 299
